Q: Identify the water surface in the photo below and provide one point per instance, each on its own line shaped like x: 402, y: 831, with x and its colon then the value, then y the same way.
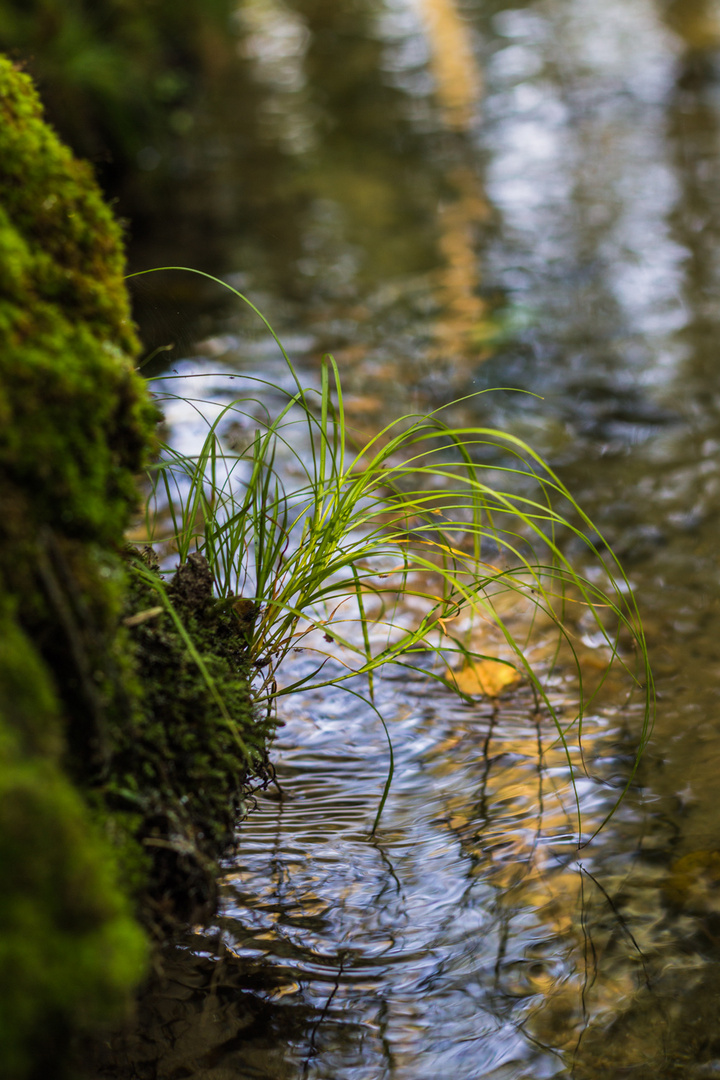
x: 453, y: 196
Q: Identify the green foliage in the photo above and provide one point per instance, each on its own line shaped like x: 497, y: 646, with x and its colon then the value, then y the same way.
x: 455, y: 519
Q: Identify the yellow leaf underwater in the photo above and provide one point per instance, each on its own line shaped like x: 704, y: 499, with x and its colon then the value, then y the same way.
x: 489, y: 677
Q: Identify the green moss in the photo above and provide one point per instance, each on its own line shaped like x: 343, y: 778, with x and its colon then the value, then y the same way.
x: 26, y: 697
x: 183, y: 761
x: 70, y: 950
x: 76, y: 421
x: 119, y: 773
x: 75, y: 417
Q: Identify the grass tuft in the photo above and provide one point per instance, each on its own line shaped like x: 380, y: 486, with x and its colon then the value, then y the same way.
x: 436, y: 547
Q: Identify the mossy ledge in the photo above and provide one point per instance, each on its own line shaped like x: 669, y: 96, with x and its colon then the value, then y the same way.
x: 120, y: 774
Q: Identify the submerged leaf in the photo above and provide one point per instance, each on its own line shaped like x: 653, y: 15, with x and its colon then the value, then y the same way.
x: 489, y: 677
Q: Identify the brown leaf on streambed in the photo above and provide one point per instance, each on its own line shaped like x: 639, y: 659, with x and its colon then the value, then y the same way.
x: 488, y: 677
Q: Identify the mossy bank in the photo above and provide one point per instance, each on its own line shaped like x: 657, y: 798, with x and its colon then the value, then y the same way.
x: 123, y: 753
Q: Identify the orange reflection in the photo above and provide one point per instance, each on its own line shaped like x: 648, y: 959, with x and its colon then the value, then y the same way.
x: 457, y: 76
x: 464, y: 325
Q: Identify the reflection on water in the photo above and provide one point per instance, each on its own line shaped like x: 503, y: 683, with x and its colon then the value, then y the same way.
x: 451, y: 196
x: 456, y: 935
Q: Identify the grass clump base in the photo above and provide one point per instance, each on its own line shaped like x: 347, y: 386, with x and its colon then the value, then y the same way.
x: 465, y: 524
x: 184, y: 760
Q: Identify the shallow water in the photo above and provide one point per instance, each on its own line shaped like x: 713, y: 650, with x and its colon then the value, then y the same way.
x: 453, y: 196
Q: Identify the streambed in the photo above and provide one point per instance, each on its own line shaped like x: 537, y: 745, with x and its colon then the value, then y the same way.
x: 541, y: 213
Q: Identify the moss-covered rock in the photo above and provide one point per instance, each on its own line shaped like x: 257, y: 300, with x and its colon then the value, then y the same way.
x: 125, y: 741
x: 75, y: 424
x: 71, y: 951
x: 184, y: 759
x: 74, y: 418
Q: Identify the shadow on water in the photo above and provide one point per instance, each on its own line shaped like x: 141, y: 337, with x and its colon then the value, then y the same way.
x: 450, y: 196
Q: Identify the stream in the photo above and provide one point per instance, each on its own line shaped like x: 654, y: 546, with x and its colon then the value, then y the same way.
x: 449, y: 196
